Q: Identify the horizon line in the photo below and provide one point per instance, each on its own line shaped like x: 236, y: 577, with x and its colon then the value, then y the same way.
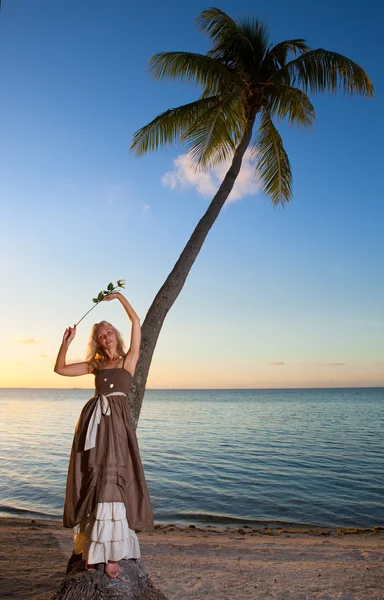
x: 337, y: 387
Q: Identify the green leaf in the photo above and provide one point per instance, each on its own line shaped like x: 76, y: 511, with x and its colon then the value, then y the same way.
x: 278, y: 54
x: 214, y: 137
x: 272, y: 162
x: 169, y: 126
x: 240, y: 44
x: 110, y: 287
x: 100, y: 296
x: 195, y: 68
x: 321, y: 70
x: 95, y: 300
x: 292, y: 103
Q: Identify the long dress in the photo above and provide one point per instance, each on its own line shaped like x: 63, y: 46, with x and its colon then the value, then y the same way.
x: 107, y: 499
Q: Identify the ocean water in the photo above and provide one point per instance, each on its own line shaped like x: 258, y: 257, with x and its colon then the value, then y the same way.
x: 214, y: 457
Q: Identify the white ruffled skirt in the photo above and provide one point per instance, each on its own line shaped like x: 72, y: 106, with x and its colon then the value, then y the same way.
x: 105, y: 535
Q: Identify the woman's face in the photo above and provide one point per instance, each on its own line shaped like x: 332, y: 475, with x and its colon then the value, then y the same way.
x: 106, y: 337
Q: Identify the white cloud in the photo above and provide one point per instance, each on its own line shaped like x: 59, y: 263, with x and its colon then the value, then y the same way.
x: 146, y: 207
x: 207, y: 182
x: 335, y: 364
x: 169, y: 179
x: 29, y: 340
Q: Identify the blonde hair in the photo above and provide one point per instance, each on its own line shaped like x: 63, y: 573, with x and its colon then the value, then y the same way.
x: 95, y: 353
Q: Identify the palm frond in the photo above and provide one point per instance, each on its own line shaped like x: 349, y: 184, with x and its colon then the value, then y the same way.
x: 272, y: 162
x: 292, y: 103
x: 231, y: 40
x: 322, y: 70
x: 223, y: 30
x: 277, y: 55
x: 257, y: 35
x: 200, y: 69
x: 214, y: 138
x: 169, y: 126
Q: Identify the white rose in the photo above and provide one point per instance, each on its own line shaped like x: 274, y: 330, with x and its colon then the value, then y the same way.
x: 121, y: 283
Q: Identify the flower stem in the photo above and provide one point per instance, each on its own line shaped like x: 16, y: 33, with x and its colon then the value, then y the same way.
x: 92, y: 307
x: 96, y: 303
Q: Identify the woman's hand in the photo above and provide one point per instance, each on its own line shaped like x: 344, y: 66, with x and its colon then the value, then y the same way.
x: 112, y: 296
x: 69, y: 334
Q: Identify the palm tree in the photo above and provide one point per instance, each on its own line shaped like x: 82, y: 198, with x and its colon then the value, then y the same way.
x: 246, y: 80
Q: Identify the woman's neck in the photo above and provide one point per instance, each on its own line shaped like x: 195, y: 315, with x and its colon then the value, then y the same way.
x: 112, y: 356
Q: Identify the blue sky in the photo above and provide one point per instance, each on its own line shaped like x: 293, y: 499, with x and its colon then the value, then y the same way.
x: 276, y: 298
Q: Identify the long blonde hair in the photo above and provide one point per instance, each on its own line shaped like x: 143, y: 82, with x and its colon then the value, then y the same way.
x: 95, y: 354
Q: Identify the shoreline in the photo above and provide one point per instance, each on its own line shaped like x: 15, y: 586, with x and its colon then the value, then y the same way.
x: 219, y: 563
x: 267, y: 528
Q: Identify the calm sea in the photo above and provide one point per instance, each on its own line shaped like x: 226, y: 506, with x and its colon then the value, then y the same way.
x: 214, y: 456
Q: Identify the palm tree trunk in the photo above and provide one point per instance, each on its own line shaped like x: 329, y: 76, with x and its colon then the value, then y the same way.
x: 132, y: 584
x: 174, y: 283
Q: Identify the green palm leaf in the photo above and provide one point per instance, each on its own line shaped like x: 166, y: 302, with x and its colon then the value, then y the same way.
x: 223, y: 30
x: 194, y: 68
x: 235, y: 44
x: 293, y: 104
x: 169, y: 126
x: 214, y: 138
x: 256, y: 33
x: 272, y: 162
x: 279, y: 52
x: 321, y: 70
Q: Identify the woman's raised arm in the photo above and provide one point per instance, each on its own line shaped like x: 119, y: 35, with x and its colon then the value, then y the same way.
x: 134, y: 347
x: 80, y: 368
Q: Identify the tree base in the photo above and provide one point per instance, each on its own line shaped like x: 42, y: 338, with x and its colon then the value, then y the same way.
x: 132, y: 583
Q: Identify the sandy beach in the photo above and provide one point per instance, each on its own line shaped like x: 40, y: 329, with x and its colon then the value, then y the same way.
x: 219, y: 564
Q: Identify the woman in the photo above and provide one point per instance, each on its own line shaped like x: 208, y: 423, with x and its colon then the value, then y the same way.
x: 107, y: 499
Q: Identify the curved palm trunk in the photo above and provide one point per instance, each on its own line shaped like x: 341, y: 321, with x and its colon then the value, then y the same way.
x: 174, y: 283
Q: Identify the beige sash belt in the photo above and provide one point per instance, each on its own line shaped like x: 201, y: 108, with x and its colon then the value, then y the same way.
x: 101, y: 408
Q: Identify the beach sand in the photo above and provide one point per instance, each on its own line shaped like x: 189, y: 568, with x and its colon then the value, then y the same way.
x: 216, y: 564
